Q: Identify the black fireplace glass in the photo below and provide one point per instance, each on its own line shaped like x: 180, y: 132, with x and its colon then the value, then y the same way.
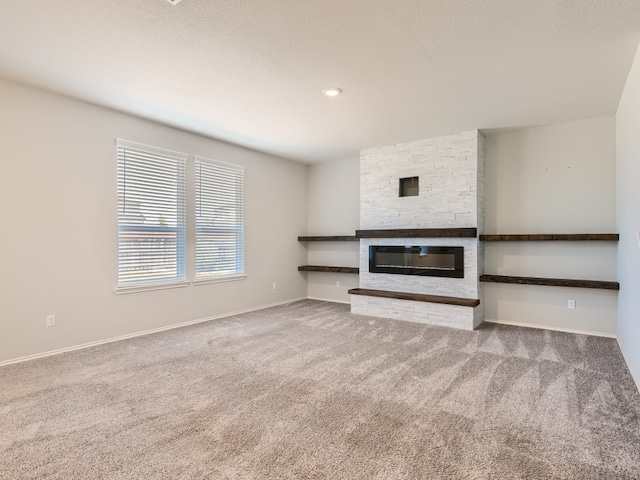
x: 436, y: 261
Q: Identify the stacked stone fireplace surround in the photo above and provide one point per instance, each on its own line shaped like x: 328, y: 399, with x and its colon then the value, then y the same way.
x: 450, y: 170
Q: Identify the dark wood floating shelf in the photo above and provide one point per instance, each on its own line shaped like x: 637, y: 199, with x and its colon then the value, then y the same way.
x: 329, y: 238
x: 322, y: 268
x: 417, y: 297
x: 550, y: 237
x: 552, y: 282
x: 419, y: 233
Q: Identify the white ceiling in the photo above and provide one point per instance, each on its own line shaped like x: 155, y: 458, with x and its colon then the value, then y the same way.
x: 251, y: 71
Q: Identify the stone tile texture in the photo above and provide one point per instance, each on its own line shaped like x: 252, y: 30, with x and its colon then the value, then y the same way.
x: 451, y: 195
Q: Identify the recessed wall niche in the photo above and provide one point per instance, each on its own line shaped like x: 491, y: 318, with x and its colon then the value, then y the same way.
x: 409, y: 187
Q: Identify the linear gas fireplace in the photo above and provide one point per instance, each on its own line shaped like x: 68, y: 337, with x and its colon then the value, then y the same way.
x: 417, y: 260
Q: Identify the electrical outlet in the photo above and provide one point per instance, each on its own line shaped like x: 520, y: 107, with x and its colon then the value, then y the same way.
x: 337, y: 283
x: 275, y: 285
x: 51, y: 320
x: 571, y: 304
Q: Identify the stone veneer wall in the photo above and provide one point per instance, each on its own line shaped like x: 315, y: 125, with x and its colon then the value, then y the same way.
x: 479, y: 310
x: 451, y: 175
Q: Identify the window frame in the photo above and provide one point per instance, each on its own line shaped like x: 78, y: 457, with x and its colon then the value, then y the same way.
x: 164, y: 157
x: 234, y: 184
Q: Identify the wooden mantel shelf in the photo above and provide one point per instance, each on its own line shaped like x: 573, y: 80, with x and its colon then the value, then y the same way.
x: 323, y: 268
x: 551, y: 237
x: 328, y: 238
x: 419, y: 233
x: 417, y: 297
x: 552, y: 282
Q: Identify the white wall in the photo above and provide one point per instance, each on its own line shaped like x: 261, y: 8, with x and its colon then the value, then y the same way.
x: 447, y: 167
x: 334, y: 209
x: 552, y: 179
x: 59, y: 235
x: 628, y: 213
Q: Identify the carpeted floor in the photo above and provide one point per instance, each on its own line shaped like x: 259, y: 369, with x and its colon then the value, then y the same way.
x: 309, y: 391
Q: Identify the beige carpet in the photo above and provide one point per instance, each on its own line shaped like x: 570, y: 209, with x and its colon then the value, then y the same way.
x: 309, y: 391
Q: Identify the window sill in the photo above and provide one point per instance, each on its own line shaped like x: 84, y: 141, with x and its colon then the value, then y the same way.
x: 148, y: 288
x: 205, y: 281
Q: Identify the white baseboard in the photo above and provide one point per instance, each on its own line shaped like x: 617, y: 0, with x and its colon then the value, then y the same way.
x: 144, y: 332
x: 545, y: 327
x: 329, y: 300
x: 634, y: 375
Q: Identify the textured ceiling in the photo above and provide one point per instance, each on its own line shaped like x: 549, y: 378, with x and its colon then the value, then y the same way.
x: 251, y: 71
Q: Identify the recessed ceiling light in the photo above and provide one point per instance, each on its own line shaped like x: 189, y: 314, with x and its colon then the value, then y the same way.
x: 174, y: 2
x: 332, y: 92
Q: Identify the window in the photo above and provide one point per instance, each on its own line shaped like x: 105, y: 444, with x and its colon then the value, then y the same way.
x: 151, y: 215
x: 219, y: 219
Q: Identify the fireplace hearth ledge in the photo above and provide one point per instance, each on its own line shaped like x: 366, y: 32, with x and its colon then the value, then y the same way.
x: 428, y: 313
x: 416, y: 297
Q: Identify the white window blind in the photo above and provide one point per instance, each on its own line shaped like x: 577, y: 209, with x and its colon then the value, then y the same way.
x: 219, y: 219
x: 151, y: 215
